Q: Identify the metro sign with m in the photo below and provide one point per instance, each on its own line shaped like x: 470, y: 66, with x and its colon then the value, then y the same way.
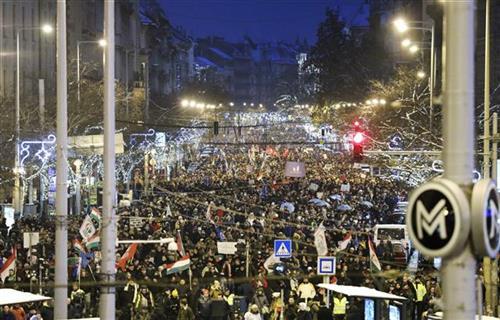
x: 433, y: 220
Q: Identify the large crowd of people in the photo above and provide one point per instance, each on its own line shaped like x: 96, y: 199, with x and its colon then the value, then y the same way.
x: 238, y: 195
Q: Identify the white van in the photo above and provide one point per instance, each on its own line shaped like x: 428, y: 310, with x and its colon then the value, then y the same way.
x: 397, y: 233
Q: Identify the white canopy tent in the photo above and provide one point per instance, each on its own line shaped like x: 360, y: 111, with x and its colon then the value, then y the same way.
x: 11, y: 296
x: 363, y: 292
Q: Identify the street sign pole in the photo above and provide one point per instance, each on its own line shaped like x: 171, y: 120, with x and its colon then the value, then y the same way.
x: 458, y: 272
x: 108, y: 231
x: 61, y: 272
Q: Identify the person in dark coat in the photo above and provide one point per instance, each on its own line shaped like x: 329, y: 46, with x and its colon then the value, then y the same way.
x: 219, y: 309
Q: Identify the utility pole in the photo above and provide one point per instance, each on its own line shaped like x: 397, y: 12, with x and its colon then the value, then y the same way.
x: 458, y: 271
x: 494, y: 262
x: 486, y: 147
x: 108, y: 231
x: 61, y: 276
x: 146, y: 90
x: 41, y: 103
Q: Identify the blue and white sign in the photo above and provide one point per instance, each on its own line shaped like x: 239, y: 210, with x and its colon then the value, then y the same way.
x: 283, y: 248
x: 326, y: 266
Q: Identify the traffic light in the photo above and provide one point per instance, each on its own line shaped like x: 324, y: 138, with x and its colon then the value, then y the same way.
x: 357, y: 142
x: 216, y: 128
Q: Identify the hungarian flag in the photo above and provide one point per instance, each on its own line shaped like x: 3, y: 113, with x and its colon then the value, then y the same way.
x: 9, y: 264
x: 373, y: 257
x: 180, y: 246
x: 344, y: 243
x: 179, y: 265
x: 94, y: 242
x: 96, y: 216
x: 127, y: 256
x: 78, y: 246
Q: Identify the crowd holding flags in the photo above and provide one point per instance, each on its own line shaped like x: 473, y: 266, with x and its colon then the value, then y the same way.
x: 184, y: 263
x: 8, y: 264
x: 345, y: 242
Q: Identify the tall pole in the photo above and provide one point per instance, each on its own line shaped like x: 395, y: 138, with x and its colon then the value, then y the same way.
x: 458, y: 272
x: 17, y: 201
x: 494, y: 262
x: 146, y: 90
x: 61, y: 274
x: 41, y: 102
x: 486, y: 138
x: 486, y: 145
x: 126, y: 85
x: 432, y: 80
x: 108, y: 230
x: 78, y: 70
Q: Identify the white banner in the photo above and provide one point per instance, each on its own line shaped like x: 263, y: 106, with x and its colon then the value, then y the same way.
x: 295, y: 169
x: 226, y: 247
x: 30, y: 239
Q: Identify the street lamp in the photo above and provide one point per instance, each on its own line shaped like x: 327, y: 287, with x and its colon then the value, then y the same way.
x: 402, y: 26
x: 18, y: 198
x: 421, y: 74
x: 406, y: 43
x: 101, y: 43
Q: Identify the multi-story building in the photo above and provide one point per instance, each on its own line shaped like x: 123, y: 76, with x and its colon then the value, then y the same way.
x: 248, y: 71
x: 37, y: 50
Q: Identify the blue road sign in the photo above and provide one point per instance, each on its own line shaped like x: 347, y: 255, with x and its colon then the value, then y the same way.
x: 326, y: 266
x: 283, y: 248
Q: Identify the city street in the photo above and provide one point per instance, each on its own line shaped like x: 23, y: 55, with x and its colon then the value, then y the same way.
x: 249, y: 160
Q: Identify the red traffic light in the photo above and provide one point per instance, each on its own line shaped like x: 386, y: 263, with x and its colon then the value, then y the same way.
x: 358, y: 138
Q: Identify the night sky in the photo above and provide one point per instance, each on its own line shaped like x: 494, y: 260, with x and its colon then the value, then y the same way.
x: 262, y: 20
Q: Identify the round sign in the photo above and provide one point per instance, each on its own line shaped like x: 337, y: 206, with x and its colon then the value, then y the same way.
x: 485, y: 218
x: 438, y: 218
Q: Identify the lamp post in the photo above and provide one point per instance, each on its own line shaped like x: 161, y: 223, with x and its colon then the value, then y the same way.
x: 102, y: 44
x: 18, y: 198
x: 127, y: 52
x: 403, y: 26
x: 78, y: 164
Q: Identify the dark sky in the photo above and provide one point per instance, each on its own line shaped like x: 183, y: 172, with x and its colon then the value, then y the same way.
x: 262, y: 20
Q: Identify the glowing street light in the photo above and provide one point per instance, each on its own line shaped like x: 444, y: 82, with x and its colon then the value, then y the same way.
x: 47, y: 28
x: 184, y: 103
x: 413, y: 49
x: 406, y: 43
x: 401, y: 25
x: 102, y: 43
x: 421, y: 74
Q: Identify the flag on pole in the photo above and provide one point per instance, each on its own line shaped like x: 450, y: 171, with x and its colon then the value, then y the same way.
x: 320, y: 240
x: 96, y: 216
x: 78, y: 246
x: 94, y: 242
x: 180, y: 246
x: 87, y: 229
x: 374, y: 262
x: 208, y: 215
x: 220, y: 234
x: 344, y: 243
x: 9, y: 264
x: 128, y: 255
x: 178, y: 266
